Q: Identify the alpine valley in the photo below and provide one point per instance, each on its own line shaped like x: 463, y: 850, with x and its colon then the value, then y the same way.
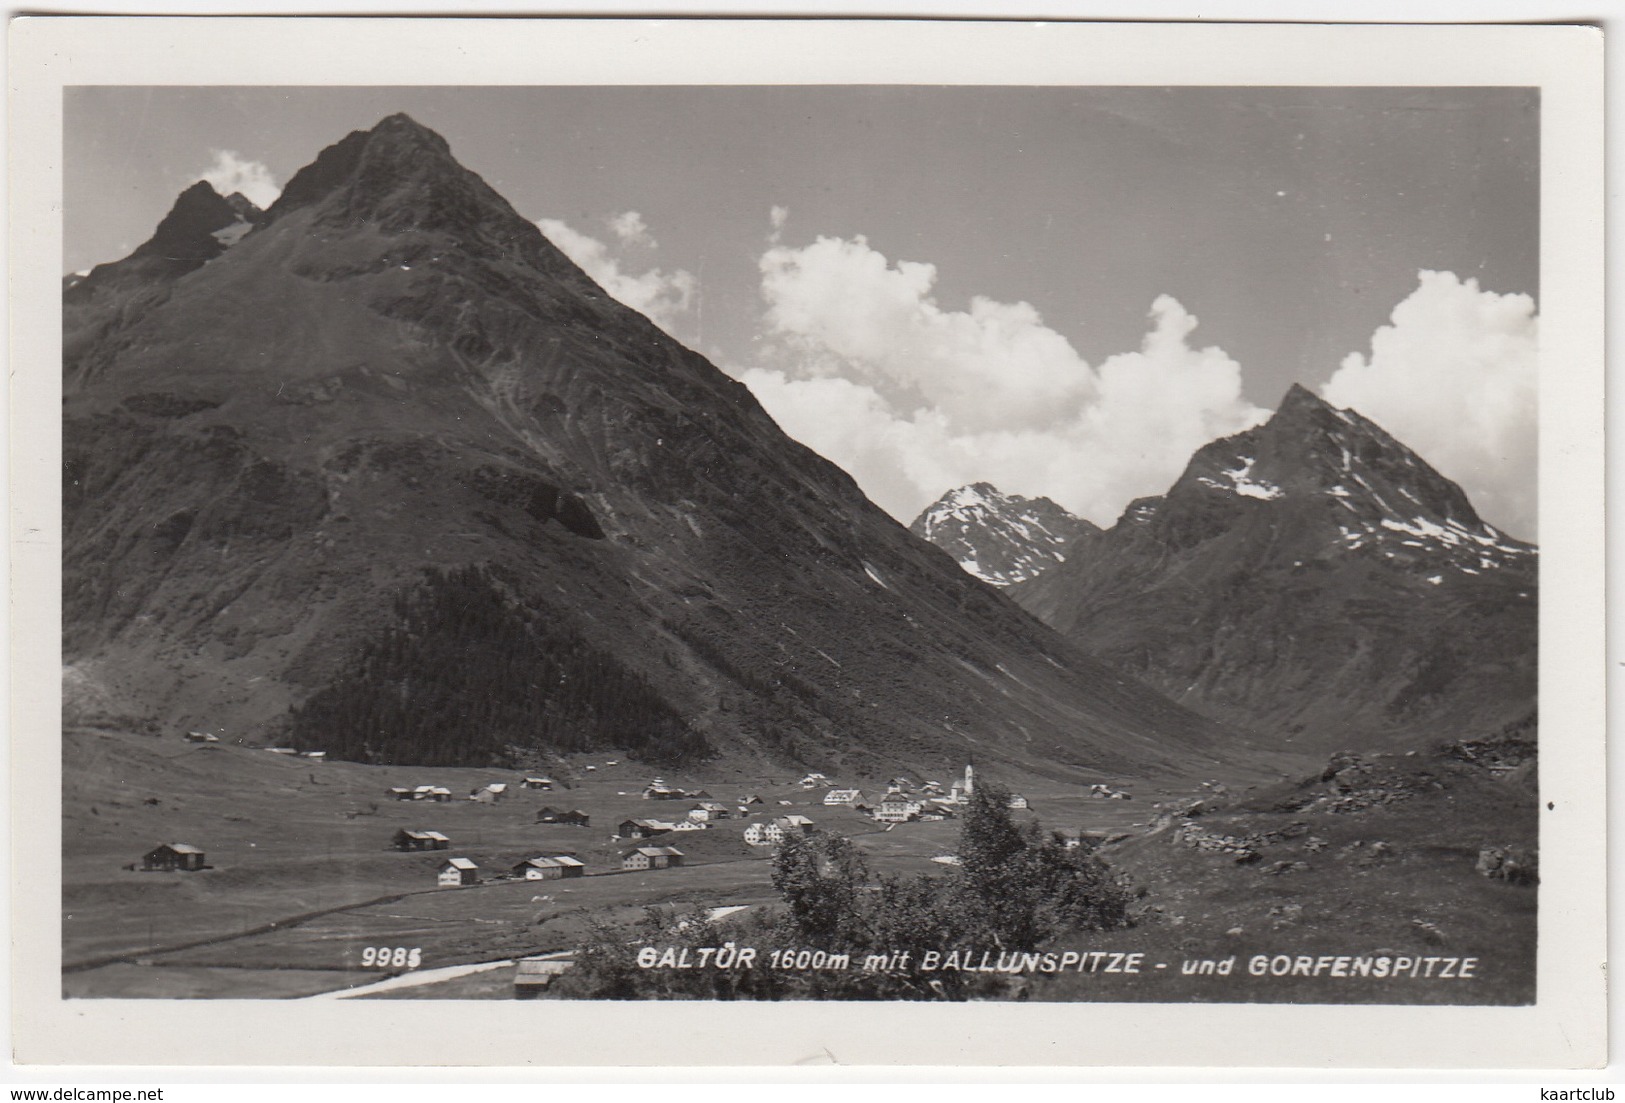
x: 373, y: 498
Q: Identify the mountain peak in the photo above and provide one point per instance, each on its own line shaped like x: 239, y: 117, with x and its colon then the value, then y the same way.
x: 1000, y: 538
x: 186, y: 233
x: 371, y: 170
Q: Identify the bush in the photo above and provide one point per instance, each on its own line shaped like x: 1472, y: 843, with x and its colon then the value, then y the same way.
x: 1016, y: 890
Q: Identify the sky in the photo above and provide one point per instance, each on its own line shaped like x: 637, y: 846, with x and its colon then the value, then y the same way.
x: 1061, y: 291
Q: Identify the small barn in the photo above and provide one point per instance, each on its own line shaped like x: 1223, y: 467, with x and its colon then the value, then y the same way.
x: 575, y: 817
x: 201, y: 737
x: 315, y: 756
x: 400, y: 793
x: 490, y: 794
x: 545, y: 784
x: 457, y: 872
x: 419, y: 840
x: 170, y: 857
x: 1018, y: 802
x: 643, y: 829
x: 652, y: 857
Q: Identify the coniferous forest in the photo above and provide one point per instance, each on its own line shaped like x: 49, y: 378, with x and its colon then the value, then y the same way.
x: 467, y: 675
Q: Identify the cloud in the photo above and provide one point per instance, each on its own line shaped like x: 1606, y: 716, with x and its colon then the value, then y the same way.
x: 232, y: 172
x: 1454, y: 377
x: 861, y: 364
x: 663, y: 299
x: 630, y: 228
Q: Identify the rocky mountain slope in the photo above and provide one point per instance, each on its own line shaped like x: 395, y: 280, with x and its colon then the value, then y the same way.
x: 385, y: 473
x: 1315, y: 578
x: 1000, y: 538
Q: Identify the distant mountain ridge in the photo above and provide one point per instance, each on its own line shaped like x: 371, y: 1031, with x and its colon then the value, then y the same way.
x: 327, y: 478
x: 1315, y: 578
x: 1000, y: 538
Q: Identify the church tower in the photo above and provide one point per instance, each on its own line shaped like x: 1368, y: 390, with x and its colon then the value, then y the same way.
x: 970, y: 779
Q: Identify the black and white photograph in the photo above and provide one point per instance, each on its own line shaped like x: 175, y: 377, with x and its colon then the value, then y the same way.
x: 810, y: 542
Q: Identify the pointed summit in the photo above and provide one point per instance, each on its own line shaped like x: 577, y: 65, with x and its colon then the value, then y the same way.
x: 187, y: 231
x: 401, y: 178
x: 1000, y: 538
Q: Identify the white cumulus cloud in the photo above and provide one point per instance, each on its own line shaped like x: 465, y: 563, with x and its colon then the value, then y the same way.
x: 661, y: 297
x: 232, y: 172
x: 630, y: 228
x: 861, y: 364
x: 1454, y: 376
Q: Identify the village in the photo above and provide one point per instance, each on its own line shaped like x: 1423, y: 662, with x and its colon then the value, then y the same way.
x: 899, y: 804
x: 317, y: 861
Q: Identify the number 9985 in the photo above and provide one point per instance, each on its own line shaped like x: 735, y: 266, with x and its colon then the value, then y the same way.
x: 387, y: 957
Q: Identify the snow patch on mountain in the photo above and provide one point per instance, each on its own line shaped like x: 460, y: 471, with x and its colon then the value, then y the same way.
x: 999, y: 538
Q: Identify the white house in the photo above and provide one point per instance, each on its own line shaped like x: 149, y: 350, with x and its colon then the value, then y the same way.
x: 457, y: 872
x: 847, y: 797
x: 897, y: 808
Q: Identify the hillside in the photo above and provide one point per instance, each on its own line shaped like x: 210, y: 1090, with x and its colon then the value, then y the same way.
x: 383, y: 472
x: 1315, y: 579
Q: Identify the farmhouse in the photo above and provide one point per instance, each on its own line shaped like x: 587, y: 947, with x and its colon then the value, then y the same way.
x: 849, y: 797
x: 657, y: 789
x: 652, y: 857
x: 419, y: 840
x: 400, y: 792
x: 457, y: 872
x: 169, y: 857
x: 545, y: 784
x: 793, y: 825
x: 431, y: 792
x: 489, y: 794
x: 898, y: 808
x: 550, y: 869
x: 1018, y: 801
x: 708, y: 810
x: 763, y: 834
x: 643, y: 829
x: 690, y: 825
